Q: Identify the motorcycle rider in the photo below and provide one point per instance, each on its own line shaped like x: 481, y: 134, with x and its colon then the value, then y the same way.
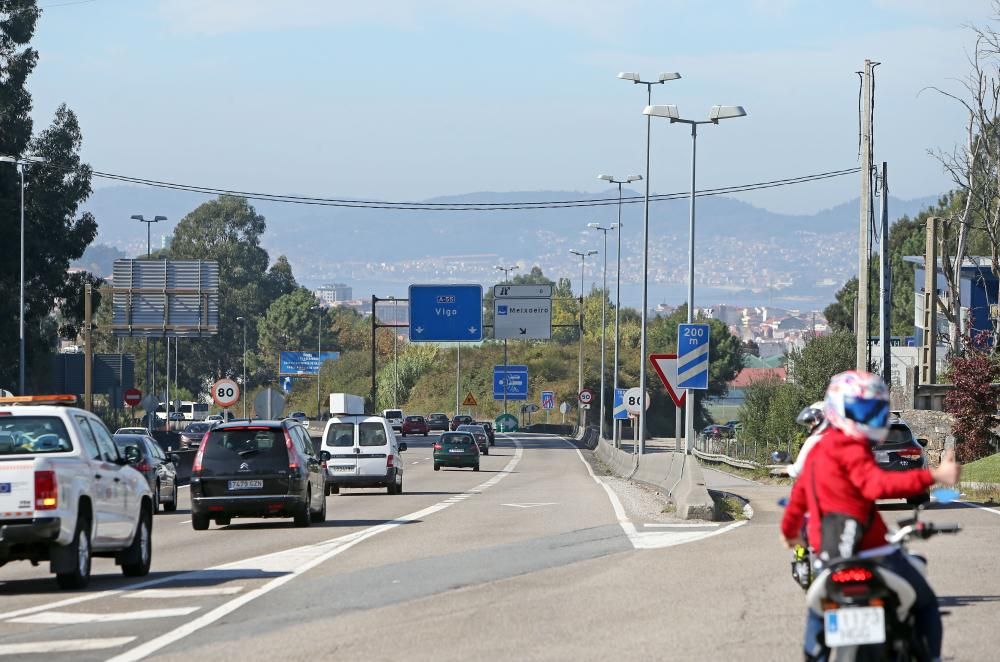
x: 812, y: 418
x: 839, y: 485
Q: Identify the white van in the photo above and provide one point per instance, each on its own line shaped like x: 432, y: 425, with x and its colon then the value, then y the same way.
x: 361, y: 450
x: 395, y: 419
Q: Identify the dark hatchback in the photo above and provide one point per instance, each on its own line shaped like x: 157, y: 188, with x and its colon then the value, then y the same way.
x: 257, y: 469
x: 158, y: 468
x: 461, y: 419
x: 900, y: 452
x: 438, y: 422
x: 489, y: 431
x: 456, y: 449
x: 192, y: 435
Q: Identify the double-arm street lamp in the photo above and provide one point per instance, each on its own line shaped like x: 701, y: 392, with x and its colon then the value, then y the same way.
x: 506, y: 279
x: 583, y: 264
x: 319, y: 354
x: 715, y: 114
x: 243, y: 387
x: 635, y: 78
x: 141, y: 219
x: 604, y: 299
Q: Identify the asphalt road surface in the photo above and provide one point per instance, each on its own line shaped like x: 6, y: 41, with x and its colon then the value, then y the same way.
x: 531, y: 558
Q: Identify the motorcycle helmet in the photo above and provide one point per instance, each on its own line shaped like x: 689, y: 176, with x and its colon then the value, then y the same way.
x: 857, y: 403
x: 811, y: 417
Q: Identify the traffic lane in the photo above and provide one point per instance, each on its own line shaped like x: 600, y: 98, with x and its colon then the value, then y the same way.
x: 178, y: 548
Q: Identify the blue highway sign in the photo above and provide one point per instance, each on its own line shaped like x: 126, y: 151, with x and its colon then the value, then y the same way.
x: 302, y: 363
x: 446, y: 313
x: 619, y: 409
x: 548, y: 400
x: 513, y: 382
x: 692, y: 356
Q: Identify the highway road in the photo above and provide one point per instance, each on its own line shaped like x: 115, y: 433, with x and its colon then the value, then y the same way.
x: 532, y: 558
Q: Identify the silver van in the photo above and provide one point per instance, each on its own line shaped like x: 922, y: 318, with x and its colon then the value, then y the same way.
x: 361, y: 451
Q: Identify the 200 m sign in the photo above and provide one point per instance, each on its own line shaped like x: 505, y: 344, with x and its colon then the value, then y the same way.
x: 225, y: 393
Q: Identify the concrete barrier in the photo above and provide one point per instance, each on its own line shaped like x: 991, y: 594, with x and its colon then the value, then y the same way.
x: 674, y: 473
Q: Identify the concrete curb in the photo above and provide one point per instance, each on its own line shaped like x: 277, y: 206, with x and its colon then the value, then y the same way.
x: 676, y: 474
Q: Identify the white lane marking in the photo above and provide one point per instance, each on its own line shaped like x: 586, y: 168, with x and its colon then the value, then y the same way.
x: 681, y: 525
x: 187, y: 521
x: 649, y: 539
x: 181, y: 487
x: 969, y: 504
x: 530, y: 505
x: 64, y: 646
x: 160, y: 593
x: 294, y: 562
x: 74, y: 618
x: 417, y: 462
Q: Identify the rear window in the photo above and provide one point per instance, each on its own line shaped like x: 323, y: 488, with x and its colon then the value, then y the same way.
x: 898, y: 434
x: 457, y: 439
x: 226, y: 450
x: 371, y: 434
x: 340, y: 435
x: 198, y: 427
x: 33, y: 434
x: 414, y: 419
x: 394, y: 413
x: 123, y: 440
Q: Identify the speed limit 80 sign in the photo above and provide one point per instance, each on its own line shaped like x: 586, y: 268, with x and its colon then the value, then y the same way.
x: 225, y: 393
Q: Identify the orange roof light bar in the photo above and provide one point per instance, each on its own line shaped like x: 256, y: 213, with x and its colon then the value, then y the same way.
x: 39, y: 400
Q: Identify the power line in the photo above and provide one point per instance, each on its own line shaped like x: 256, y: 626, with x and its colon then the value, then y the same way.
x: 456, y: 206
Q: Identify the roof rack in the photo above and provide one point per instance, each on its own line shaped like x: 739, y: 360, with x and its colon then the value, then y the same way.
x: 67, y: 399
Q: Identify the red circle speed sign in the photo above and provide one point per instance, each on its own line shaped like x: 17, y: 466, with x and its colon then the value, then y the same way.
x: 132, y: 396
x: 586, y: 396
x: 226, y: 393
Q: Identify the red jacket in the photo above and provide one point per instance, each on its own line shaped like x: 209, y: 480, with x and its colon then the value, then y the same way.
x: 840, y: 476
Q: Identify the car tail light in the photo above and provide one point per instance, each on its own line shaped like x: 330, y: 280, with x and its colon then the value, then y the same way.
x: 293, y: 465
x: 849, y: 575
x: 196, y: 466
x: 437, y: 447
x: 910, y: 453
x: 46, y: 490
x: 388, y: 461
x: 143, y: 466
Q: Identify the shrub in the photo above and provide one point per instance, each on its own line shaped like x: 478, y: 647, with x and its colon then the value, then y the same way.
x: 973, y: 401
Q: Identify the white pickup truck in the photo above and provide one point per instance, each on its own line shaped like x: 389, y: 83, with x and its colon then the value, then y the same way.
x: 66, y: 494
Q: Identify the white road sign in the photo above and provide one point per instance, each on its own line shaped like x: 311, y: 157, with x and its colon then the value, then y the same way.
x: 226, y: 393
x: 633, y: 400
x: 524, y: 319
x: 522, y: 291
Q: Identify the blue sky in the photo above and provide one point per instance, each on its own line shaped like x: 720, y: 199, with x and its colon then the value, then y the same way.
x: 397, y: 99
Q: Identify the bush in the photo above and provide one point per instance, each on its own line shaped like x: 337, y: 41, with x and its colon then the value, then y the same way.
x: 768, y: 415
x: 973, y: 401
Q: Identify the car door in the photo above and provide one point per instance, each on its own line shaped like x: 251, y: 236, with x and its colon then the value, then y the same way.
x: 165, y: 472
x: 125, y: 481
x: 373, y: 447
x: 110, y: 511
x: 101, y: 491
x: 340, y: 441
x: 312, y: 464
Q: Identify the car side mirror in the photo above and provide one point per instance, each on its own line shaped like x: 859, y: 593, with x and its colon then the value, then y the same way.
x: 923, y: 442
x: 132, y: 455
x: 324, y: 456
x: 175, y: 459
x: 402, y: 446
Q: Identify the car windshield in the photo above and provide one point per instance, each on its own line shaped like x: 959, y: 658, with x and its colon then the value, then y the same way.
x: 197, y: 427
x: 227, y: 450
x: 33, y: 434
x: 340, y: 435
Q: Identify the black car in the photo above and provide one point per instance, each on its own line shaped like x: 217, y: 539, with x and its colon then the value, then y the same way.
x: 489, y: 431
x: 159, y: 468
x: 900, y: 452
x: 192, y: 435
x: 438, y: 422
x: 257, y: 469
x: 460, y: 419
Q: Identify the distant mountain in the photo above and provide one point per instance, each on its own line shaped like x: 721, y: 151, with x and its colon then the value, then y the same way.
x: 741, y: 248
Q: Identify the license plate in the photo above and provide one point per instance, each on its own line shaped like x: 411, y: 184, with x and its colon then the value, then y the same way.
x: 246, y: 484
x: 881, y: 456
x: 854, y: 626
x: 4, y: 488
x: 457, y: 450
x: 341, y: 468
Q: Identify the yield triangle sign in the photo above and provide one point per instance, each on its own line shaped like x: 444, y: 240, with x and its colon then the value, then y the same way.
x: 666, y: 367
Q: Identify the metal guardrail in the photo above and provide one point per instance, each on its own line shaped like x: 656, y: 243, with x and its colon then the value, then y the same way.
x: 725, y: 459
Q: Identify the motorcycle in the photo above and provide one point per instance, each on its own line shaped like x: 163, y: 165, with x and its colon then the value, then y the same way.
x: 866, y: 608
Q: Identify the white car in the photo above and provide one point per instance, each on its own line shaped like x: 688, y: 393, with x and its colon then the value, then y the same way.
x: 361, y: 450
x: 67, y: 494
x: 142, y: 431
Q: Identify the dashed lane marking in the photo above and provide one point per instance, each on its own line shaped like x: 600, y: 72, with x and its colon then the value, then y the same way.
x: 64, y: 646
x: 75, y: 618
x: 161, y: 593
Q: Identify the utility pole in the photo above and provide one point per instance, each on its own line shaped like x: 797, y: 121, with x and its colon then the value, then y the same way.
x: 861, y: 328
x: 374, y: 386
x: 885, y: 282
x: 928, y: 346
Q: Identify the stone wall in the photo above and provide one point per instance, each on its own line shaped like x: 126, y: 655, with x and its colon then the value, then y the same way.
x: 935, y: 426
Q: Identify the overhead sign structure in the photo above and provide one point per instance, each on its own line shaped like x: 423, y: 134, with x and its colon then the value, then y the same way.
x: 692, y: 356
x: 470, y: 400
x: 165, y: 298
x: 510, y: 382
x: 522, y: 291
x: 548, y: 400
x: 225, y: 393
x: 522, y: 312
x: 665, y: 366
x: 301, y: 364
x: 586, y: 396
x: 618, y: 411
x: 132, y: 397
x: 446, y: 313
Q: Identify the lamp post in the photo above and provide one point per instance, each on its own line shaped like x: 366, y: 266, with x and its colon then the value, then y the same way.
x: 635, y: 78
x: 155, y: 219
x: 243, y: 390
x: 604, y: 299
x: 583, y: 263
x: 506, y: 280
x: 395, y: 353
x: 20, y: 318
x: 715, y: 114
x: 319, y: 354
x: 618, y: 280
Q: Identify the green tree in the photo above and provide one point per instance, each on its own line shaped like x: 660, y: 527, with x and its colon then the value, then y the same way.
x: 58, y: 183
x: 288, y: 325
x: 840, y: 314
x: 822, y: 357
x: 768, y: 416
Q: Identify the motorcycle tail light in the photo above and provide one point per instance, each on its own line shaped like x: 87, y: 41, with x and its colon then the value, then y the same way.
x: 851, y: 575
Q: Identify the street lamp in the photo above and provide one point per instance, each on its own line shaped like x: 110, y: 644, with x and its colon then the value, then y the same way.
x: 149, y: 370
x: 636, y: 79
x: 715, y: 114
x: 319, y: 354
x: 20, y: 319
x: 583, y: 262
x: 141, y: 219
x: 395, y: 353
x: 604, y: 299
x: 506, y: 280
x: 243, y: 392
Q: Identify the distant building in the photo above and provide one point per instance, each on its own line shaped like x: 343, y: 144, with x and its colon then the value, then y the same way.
x: 978, y: 292
x: 329, y: 295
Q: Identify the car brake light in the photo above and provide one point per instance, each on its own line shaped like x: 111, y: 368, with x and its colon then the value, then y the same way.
x: 437, y: 447
x: 196, y: 466
x: 911, y: 453
x: 388, y: 461
x: 143, y: 466
x: 292, y: 464
x: 848, y: 575
x: 46, y: 490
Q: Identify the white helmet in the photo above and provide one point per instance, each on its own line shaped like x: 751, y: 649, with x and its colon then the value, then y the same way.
x: 857, y: 403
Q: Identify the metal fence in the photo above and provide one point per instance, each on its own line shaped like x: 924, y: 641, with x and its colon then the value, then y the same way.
x: 739, y: 451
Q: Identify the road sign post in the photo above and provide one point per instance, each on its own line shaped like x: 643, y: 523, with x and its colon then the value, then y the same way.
x: 692, y: 368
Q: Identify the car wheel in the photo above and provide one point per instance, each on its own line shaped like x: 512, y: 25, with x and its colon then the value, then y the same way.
x: 437, y: 467
x: 302, y: 518
x: 79, y: 577
x: 139, y: 555
x: 199, y: 521
x: 475, y: 468
x: 171, y: 506
x: 156, y: 497
x: 390, y: 486
x: 223, y: 520
x: 319, y: 516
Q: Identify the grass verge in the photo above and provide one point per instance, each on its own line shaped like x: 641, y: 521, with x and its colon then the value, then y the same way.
x: 727, y: 508
x: 985, y: 470
x: 758, y: 474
